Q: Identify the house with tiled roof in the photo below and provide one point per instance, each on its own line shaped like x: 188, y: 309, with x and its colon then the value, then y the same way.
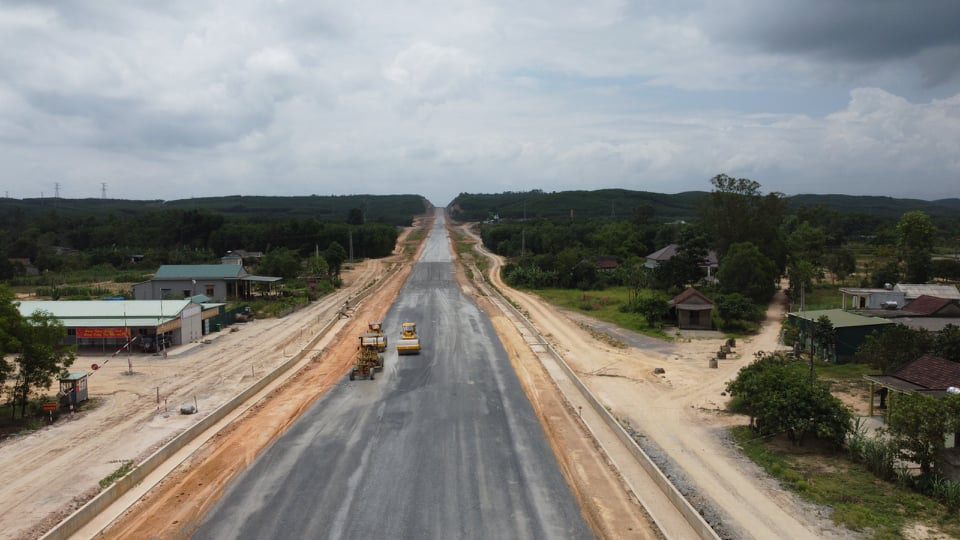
x: 607, y: 263
x: 932, y: 306
x: 928, y: 375
x: 694, y: 310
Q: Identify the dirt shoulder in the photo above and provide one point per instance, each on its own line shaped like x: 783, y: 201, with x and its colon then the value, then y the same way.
x: 609, y: 508
x: 680, y: 415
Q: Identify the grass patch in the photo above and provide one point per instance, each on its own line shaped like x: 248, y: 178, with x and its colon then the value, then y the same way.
x: 603, y: 305
x: 121, y: 471
x: 860, y: 500
x: 823, y: 296
x: 265, y: 308
x: 831, y: 372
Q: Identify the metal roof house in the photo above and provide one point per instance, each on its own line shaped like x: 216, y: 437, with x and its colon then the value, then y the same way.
x: 220, y: 282
x: 871, y: 298
x: 912, y: 291
x: 109, y: 325
x: 710, y: 264
x: 850, y: 329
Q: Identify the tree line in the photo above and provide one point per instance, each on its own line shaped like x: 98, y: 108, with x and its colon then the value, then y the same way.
x: 756, y: 236
x: 55, y: 242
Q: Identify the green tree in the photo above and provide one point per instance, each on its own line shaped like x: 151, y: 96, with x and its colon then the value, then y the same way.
x: 747, y: 271
x: 946, y: 344
x: 734, y: 309
x: 335, y: 256
x: 916, y: 235
x: 654, y: 307
x: 41, y: 357
x: 800, y: 273
x: 825, y: 339
x: 891, y: 348
x: 10, y: 331
x: 841, y: 263
x: 807, y: 243
x: 888, y: 272
x: 318, y: 266
x: 919, y: 423
x: 737, y: 212
x: 686, y: 266
x: 355, y: 216
x: 779, y: 398
x: 281, y: 262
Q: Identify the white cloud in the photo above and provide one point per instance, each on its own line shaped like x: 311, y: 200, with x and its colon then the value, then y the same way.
x: 433, y: 74
x: 442, y: 97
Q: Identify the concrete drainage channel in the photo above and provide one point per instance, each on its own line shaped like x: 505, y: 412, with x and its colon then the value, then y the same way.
x: 83, y: 515
x: 666, y: 518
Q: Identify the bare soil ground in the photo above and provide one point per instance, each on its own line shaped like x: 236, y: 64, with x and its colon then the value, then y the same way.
x: 681, y: 412
x: 47, y: 474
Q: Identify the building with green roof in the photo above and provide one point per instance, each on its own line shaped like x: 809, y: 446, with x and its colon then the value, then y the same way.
x: 110, y: 324
x: 219, y: 282
x: 850, y: 329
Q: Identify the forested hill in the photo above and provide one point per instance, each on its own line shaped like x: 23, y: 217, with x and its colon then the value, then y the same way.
x: 584, y: 204
x: 621, y: 203
x: 389, y: 209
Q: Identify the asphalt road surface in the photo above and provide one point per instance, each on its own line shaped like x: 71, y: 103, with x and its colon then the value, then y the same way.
x: 444, y: 444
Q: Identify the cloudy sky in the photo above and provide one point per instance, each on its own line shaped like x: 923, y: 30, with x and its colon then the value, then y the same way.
x: 179, y: 98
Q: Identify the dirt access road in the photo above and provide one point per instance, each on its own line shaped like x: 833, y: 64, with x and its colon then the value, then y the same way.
x: 680, y: 413
x: 47, y: 474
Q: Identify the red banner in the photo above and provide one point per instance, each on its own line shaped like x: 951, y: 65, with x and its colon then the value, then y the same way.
x: 103, y: 332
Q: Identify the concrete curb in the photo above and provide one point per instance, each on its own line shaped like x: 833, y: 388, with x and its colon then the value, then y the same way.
x: 696, y: 521
x: 75, y: 521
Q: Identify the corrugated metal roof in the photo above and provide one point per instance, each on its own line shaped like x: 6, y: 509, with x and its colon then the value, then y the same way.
x: 106, y: 322
x: 915, y: 290
x: 199, y: 271
x: 262, y: 279
x: 840, y: 318
x: 100, y: 309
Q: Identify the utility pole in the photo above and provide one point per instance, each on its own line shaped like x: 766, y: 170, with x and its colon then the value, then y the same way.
x: 103, y: 190
x: 56, y: 190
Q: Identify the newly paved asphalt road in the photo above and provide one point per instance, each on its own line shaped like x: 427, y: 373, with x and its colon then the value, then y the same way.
x: 440, y: 445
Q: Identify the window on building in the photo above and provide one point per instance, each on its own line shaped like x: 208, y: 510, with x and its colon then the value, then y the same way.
x: 186, y: 293
x: 210, y: 289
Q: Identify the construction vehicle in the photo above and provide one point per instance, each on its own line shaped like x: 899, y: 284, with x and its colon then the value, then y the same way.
x: 375, y: 335
x: 409, y: 341
x: 368, y: 359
